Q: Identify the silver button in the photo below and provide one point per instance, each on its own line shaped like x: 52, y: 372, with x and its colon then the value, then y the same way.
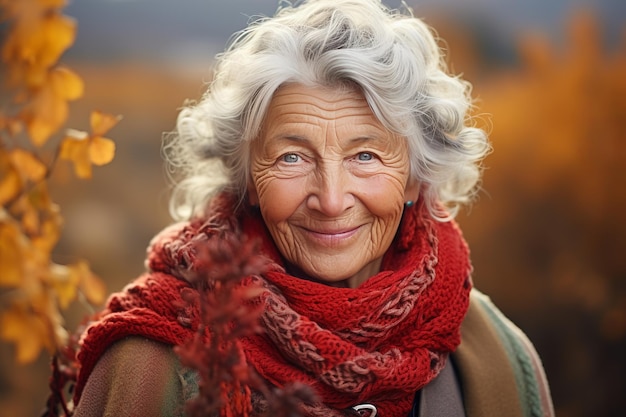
x: 363, y: 408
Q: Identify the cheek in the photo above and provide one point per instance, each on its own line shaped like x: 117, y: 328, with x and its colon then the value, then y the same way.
x: 387, y: 221
x: 384, y: 197
x: 385, y: 201
x: 278, y: 199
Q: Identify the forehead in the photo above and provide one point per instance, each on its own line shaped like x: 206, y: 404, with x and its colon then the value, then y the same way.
x: 297, y: 100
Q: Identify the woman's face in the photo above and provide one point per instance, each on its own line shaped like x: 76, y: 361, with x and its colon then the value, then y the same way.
x: 331, y: 182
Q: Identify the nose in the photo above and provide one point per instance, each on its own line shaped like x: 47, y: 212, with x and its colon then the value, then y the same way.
x: 331, y: 190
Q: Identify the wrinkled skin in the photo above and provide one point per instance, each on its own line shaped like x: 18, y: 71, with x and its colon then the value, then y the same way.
x: 331, y: 182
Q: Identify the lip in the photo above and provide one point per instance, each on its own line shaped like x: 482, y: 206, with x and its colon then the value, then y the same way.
x: 332, y: 237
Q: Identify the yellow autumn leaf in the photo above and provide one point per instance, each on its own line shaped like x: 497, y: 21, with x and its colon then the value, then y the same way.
x: 37, y: 198
x: 101, y: 123
x: 101, y: 150
x: 28, y: 165
x: 11, y: 254
x: 59, y: 32
x: 30, y: 221
x: 44, y: 115
x: 48, y: 39
x: 66, y: 83
x: 27, y: 330
x: 76, y: 150
x: 35, y: 44
x: 32, y: 206
x: 10, y: 181
x: 48, y: 108
x: 22, y: 207
x: 10, y: 184
x: 50, y: 232
x: 64, y: 281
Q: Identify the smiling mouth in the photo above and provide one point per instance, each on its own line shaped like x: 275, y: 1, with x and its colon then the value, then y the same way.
x: 332, y: 236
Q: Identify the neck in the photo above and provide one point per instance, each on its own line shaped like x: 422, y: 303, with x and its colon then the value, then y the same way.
x: 353, y: 281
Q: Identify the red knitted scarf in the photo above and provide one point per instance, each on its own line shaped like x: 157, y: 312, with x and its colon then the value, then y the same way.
x: 377, y: 344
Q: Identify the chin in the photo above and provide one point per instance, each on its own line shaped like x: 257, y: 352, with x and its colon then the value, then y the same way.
x: 348, y: 281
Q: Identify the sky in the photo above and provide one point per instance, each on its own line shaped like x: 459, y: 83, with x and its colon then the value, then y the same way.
x: 188, y: 30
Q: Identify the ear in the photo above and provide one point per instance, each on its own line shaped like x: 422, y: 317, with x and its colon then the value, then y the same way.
x: 412, y: 190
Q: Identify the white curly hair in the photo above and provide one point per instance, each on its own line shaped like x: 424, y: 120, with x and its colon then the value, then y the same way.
x: 393, y: 57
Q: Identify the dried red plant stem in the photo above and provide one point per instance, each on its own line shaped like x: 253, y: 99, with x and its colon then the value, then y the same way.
x: 228, y: 312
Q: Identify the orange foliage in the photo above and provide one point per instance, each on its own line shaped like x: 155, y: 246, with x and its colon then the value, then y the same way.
x: 563, y: 109
x: 549, y: 242
x: 558, y: 133
x: 34, y: 289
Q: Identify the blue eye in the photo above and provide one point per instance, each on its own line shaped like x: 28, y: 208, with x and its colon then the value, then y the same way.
x: 365, y: 156
x: 290, y: 158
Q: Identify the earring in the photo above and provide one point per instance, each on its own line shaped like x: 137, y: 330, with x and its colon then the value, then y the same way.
x: 409, y: 203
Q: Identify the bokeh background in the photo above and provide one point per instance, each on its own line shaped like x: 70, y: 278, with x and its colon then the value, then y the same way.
x: 548, y: 233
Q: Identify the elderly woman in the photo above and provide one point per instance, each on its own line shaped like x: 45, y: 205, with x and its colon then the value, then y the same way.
x: 332, y: 134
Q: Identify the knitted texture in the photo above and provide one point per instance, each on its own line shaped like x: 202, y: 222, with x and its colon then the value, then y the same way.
x: 377, y: 343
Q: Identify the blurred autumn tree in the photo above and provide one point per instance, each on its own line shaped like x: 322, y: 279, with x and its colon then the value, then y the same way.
x: 548, y: 235
x: 35, y: 95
